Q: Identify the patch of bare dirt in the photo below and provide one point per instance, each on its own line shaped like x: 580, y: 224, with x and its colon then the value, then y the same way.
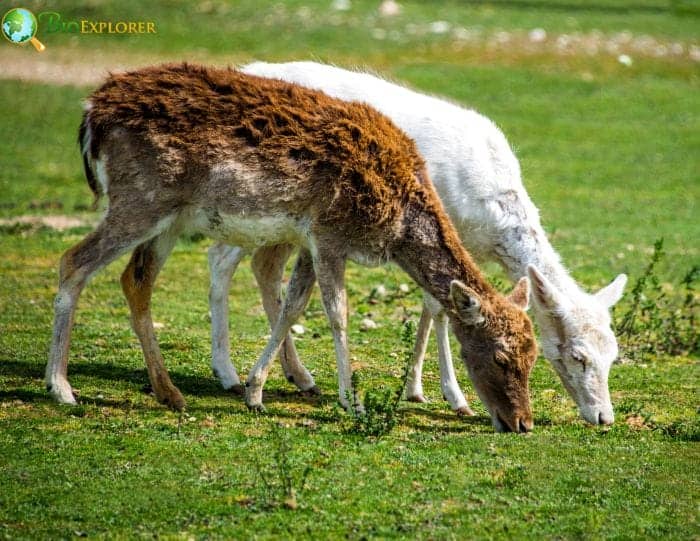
x: 70, y: 67
x: 637, y: 422
x: 57, y: 222
x: 79, y: 67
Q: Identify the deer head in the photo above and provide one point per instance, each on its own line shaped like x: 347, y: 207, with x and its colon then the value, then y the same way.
x: 577, y: 339
x: 498, y: 352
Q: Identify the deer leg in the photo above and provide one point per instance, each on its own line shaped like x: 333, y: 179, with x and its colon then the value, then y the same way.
x: 268, y: 266
x: 78, y: 264
x: 330, y: 270
x: 298, y: 292
x: 414, y: 382
x: 137, y: 282
x: 223, y: 261
x: 448, y: 380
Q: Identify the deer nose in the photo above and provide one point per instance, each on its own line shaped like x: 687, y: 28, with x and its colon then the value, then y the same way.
x: 605, y: 418
x: 525, y: 425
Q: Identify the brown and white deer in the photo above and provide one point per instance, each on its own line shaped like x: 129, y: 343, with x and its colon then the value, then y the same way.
x: 257, y: 162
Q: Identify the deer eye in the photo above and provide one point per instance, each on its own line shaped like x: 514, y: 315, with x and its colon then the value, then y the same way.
x: 501, y: 357
x: 579, y: 358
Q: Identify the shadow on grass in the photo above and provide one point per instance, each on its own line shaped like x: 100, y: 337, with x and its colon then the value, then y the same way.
x: 450, y: 422
x: 25, y: 395
x: 420, y: 419
x: 281, y: 403
x: 188, y: 384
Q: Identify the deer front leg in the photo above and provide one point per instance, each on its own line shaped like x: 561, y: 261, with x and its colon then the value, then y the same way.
x: 137, y: 283
x: 448, y: 380
x: 414, y: 382
x: 268, y: 266
x: 330, y: 271
x: 223, y: 261
x: 95, y: 251
x: 298, y: 292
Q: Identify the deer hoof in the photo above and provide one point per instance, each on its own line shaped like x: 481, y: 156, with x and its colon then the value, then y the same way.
x: 174, y: 400
x: 256, y: 408
x: 62, y: 392
x: 311, y: 392
x: 464, y: 411
x: 237, y: 389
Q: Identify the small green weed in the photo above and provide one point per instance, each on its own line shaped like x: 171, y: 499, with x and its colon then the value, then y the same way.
x: 658, y: 322
x: 684, y: 430
x: 380, y: 409
x: 635, y: 409
x: 285, y: 477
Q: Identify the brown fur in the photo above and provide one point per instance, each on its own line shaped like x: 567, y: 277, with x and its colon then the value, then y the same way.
x: 166, y: 132
x: 191, y: 115
x: 137, y: 283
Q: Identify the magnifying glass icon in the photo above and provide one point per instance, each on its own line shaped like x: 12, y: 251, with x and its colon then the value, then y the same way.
x: 19, y: 26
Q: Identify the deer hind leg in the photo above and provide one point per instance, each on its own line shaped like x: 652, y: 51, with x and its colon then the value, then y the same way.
x: 268, y: 266
x: 448, y: 380
x: 414, y: 382
x: 78, y: 264
x: 298, y: 292
x: 137, y: 282
x: 223, y: 261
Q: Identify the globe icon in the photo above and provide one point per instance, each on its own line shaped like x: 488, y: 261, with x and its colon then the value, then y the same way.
x: 19, y: 26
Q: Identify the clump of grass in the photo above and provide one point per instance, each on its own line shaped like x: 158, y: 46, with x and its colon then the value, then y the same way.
x: 656, y: 322
x: 380, y: 413
x: 285, y: 477
x: 636, y: 409
x: 683, y: 430
x: 680, y: 430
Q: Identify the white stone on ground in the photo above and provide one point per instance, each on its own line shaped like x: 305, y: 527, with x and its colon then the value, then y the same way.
x: 367, y: 324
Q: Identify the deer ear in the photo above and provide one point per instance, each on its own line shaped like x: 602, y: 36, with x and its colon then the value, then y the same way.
x: 610, y: 294
x: 546, y: 295
x: 466, y: 303
x: 520, y: 296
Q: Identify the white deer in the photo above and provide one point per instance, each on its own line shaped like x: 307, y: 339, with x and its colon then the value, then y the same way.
x: 260, y: 162
x: 477, y: 176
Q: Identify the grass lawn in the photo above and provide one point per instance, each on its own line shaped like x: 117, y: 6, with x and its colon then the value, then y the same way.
x: 609, y: 154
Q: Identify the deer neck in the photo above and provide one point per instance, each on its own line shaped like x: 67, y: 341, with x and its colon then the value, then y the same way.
x: 430, y: 251
x: 527, y: 245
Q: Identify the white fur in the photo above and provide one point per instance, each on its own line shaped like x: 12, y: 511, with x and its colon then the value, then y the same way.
x: 223, y: 263
x: 251, y: 231
x: 97, y: 165
x: 100, y: 169
x: 478, y: 179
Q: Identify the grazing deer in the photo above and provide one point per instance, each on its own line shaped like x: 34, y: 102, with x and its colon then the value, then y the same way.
x: 478, y: 179
x: 258, y: 162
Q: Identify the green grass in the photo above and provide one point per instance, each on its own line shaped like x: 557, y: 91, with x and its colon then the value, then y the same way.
x: 610, y: 156
x: 300, y: 27
x: 40, y: 143
x: 119, y: 465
